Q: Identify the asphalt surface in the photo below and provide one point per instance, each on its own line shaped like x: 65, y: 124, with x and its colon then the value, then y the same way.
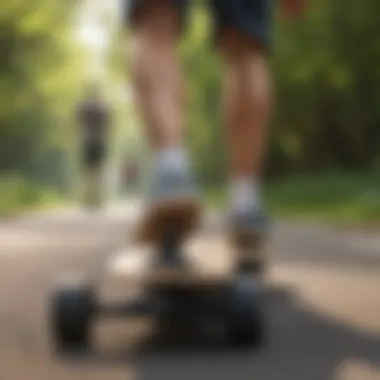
x: 323, y: 307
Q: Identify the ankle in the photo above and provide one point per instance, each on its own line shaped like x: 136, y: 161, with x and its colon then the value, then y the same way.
x: 245, y: 194
x: 172, y: 159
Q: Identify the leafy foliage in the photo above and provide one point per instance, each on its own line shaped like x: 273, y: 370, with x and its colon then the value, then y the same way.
x: 40, y: 73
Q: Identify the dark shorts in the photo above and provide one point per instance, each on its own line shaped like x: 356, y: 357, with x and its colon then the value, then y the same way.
x: 252, y: 17
x: 93, y: 154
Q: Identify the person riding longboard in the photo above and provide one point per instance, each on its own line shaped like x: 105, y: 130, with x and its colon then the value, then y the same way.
x: 93, y: 119
x: 243, y: 37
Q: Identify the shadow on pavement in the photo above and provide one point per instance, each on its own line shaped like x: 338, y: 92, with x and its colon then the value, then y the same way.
x: 302, y: 345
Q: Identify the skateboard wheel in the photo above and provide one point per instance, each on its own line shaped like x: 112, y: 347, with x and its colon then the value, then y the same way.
x: 72, y: 311
x: 244, y: 314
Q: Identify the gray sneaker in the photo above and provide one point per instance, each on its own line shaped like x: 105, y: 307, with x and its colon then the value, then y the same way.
x: 173, y: 209
x: 249, y: 231
x: 169, y: 185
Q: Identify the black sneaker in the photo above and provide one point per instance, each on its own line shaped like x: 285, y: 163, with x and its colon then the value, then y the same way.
x: 249, y: 231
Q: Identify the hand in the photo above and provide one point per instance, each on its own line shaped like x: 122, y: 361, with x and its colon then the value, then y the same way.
x: 293, y: 8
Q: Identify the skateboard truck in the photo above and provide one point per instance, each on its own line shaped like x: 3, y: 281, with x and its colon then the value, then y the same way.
x: 169, y: 250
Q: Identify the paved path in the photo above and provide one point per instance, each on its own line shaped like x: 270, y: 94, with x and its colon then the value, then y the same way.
x: 324, y: 315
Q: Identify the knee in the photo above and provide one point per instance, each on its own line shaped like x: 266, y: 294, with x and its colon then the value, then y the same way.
x: 237, y: 47
x: 157, y: 22
x: 155, y: 36
x: 247, y: 67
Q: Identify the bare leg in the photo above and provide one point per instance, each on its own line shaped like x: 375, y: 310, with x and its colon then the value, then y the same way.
x: 247, y: 104
x: 156, y: 73
x: 159, y: 90
x: 247, y: 107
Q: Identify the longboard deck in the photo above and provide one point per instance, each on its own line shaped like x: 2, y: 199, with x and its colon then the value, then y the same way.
x: 210, y: 264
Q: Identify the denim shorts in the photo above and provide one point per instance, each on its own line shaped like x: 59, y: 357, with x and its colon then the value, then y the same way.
x: 252, y: 17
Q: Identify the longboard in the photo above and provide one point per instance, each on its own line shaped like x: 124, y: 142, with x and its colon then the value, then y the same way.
x: 209, y: 258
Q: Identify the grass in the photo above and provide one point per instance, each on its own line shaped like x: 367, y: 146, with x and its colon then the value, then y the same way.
x: 339, y: 198
x: 19, y: 195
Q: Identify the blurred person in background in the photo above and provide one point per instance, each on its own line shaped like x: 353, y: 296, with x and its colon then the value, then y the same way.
x: 130, y: 173
x: 93, y: 118
x: 242, y: 35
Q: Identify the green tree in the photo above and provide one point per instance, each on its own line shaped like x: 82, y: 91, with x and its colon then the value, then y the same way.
x: 40, y: 76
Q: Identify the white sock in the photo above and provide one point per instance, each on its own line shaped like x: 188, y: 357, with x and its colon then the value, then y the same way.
x: 245, y: 194
x: 172, y: 159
